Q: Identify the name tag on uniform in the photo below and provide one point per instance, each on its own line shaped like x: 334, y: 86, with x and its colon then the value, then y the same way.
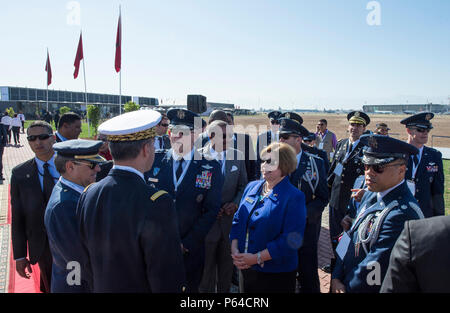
x: 342, y: 247
x: 411, y: 186
x: 321, y: 145
x: 338, y: 169
x: 249, y: 200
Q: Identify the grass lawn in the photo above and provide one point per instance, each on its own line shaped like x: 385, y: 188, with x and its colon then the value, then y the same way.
x: 447, y: 186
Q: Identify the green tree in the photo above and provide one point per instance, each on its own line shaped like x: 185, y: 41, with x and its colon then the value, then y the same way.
x: 10, y: 111
x: 131, y: 106
x: 64, y: 110
x: 93, y: 114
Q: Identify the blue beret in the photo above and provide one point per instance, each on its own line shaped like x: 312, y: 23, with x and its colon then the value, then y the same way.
x: 420, y: 120
x: 288, y: 126
x: 80, y: 149
x: 381, y: 149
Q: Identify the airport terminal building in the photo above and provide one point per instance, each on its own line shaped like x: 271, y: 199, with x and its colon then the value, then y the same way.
x: 406, y: 108
x: 33, y: 101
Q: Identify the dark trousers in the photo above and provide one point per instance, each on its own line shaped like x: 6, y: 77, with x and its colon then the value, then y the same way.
x: 260, y: 282
x: 335, y: 218
x: 23, y: 126
x: 45, y: 267
x: 2, y: 147
x: 8, y: 133
x: 194, y: 264
x: 307, y: 261
x: 16, y: 134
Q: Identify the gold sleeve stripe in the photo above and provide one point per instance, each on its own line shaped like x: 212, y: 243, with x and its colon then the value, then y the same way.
x: 158, y: 194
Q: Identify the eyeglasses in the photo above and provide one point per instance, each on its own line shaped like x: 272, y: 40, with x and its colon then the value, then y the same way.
x: 380, y: 168
x: 91, y: 165
x: 41, y: 137
x: 287, y: 136
x: 270, y: 161
x: 274, y: 122
x: 423, y: 130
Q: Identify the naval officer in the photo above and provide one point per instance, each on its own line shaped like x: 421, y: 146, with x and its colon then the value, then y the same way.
x: 363, y: 252
x: 78, y: 163
x: 195, y: 184
x: 425, y: 173
x: 129, y: 229
x: 309, y: 177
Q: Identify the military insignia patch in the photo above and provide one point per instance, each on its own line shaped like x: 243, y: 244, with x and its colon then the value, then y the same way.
x: 356, y: 114
x: 288, y: 115
x: 283, y: 123
x: 249, y: 200
x: 180, y: 114
x: 432, y: 169
x: 207, y: 167
x: 156, y: 171
x: 204, y: 180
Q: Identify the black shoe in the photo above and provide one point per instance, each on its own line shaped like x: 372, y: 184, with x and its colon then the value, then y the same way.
x: 326, y: 268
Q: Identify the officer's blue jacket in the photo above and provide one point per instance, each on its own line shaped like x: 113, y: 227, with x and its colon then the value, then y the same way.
x: 130, y: 236
x: 429, y: 182
x: 357, y: 271
x: 63, y: 237
x: 198, y: 197
x: 320, y: 153
x: 277, y: 223
x: 315, y: 201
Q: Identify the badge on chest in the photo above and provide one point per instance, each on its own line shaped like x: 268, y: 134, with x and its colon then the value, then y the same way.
x: 203, y: 180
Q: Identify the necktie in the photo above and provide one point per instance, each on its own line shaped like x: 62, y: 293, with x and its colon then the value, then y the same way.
x: 48, y: 183
x: 180, y: 168
x: 416, y: 160
x: 160, y: 142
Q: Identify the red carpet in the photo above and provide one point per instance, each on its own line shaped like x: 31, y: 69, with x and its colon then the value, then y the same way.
x: 18, y: 284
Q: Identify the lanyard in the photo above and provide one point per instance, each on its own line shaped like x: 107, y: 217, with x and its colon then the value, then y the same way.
x: 414, y: 167
x: 175, y: 182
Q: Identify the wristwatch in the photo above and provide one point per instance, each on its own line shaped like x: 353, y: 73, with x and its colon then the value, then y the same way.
x: 259, y: 260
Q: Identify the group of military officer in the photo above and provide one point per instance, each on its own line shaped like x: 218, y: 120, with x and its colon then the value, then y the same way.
x: 143, y: 227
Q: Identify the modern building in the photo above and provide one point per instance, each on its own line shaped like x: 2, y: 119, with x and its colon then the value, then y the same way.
x: 406, y: 108
x: 33, y: 102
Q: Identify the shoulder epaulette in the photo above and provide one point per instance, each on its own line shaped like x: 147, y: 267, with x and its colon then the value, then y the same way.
x: 87, y: 187
x: 157, y: 194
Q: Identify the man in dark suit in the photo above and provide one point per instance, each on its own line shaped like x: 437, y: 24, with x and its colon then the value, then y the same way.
x: 266, y: 138
x: 195, y: 183
x: 69, y: 127
x: 425, y: 173
x: 345, y: 169
x: 128, y: 229
x: 217, y: 243
x: 310, y: 178
x: 77, y: 161
x: 31, y: 186
x: 420, y: 258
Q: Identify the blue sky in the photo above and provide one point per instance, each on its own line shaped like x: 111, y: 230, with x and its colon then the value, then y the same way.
x: 293, y: 54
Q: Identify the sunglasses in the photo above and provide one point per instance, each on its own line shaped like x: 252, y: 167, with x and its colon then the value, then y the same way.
x: 269, y: 161
x: 274, y: 122
x: 91, y: 165
x: 320, y: 124
x: 287, y: 136
x: 41, y: 137
x: 423, y: 130
x: 380, y: 168
x: 164, y: 125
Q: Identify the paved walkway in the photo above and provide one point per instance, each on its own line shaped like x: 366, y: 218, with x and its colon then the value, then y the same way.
x: 10, y: 281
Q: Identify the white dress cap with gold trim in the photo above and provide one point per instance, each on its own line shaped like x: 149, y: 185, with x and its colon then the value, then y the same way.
x: 136, y: 125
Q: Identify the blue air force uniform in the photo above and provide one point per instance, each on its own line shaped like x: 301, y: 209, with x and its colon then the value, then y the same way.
x: 60, y: 218
x: 310, y: 178
x: 197, y: 197
x: 364, y: 251
x: 128, y: 229
x: 427, y: 178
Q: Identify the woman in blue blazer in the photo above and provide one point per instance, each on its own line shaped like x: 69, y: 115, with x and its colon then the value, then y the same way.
x: 268, y: 227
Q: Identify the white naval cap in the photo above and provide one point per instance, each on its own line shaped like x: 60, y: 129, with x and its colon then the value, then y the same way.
x: 131, y: 126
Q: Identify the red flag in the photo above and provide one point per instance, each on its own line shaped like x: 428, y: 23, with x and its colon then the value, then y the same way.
x: 118, y: 61
x: 78, y: 57
x: 48, y: 69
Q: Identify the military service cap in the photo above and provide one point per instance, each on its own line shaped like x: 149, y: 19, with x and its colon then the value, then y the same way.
x: 358, y: 117
x: 420, y: 120
x: 292, y: 116
x: 131, y: 126
x: 80, y: 149
x: 274, y: 115
x: 381, y: 149
x: 288, y: 126
x: 310, y: 137
x: 183, y: 117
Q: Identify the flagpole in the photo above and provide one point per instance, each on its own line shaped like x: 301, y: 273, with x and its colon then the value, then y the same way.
x: 85, y: 92
x: 47, y: 78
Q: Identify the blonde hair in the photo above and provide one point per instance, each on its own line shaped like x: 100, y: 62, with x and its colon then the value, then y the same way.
x: 284, y: 154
